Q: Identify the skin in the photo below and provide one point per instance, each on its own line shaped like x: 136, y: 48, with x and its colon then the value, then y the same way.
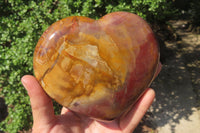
x: 45, y: 121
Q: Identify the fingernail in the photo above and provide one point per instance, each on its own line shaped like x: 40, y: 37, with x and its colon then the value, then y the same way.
x: 23, y: 80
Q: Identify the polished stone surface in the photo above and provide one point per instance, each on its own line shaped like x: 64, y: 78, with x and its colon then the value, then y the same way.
x: 97, y: 67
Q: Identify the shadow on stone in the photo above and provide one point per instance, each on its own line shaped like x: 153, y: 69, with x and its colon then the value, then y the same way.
x: 177, y: 88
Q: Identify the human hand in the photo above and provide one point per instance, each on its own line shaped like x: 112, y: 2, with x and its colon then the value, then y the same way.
x: 45, y: 121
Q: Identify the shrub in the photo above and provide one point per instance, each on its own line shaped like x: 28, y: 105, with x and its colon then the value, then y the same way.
x: 21, y: 24
x: 195, y: 12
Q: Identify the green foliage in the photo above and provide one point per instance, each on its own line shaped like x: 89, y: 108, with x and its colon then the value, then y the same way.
x: 151, y: 10
x: 21, y: 24
x: 195, y: 12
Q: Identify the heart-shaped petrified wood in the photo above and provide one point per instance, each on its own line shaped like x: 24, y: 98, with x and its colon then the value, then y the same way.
x: 98, y: 68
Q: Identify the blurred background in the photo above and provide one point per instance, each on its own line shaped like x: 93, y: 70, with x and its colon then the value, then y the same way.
x: 176, y: 24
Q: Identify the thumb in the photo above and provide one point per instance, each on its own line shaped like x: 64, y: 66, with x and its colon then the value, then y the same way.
x: 41, y: 104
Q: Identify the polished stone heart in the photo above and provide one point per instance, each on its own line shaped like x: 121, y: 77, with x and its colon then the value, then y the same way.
x: 98, y: 68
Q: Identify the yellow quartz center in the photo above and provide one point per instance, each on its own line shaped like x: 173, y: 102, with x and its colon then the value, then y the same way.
x: 83, y: 67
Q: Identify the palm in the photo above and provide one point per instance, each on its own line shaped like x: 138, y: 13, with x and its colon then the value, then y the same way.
x: 83, y: 125
x: 69, y: 122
